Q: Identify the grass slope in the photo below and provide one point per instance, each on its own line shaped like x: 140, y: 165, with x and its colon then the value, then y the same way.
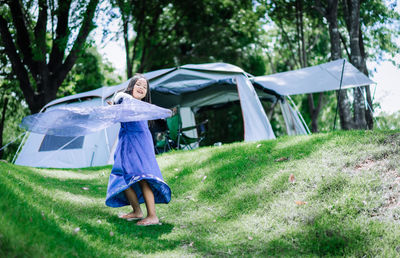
x: 229, y: 200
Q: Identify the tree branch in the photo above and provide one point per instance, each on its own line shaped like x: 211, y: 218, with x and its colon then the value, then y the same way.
x: 40, y: 29
x: 345, y: 46
x: 40, y: 38
x: 280, y: 25
x: 320, y: 8
x: 62, y: 33
x: 23, y: 38
x: 17, y: 65
x: 86, y: 27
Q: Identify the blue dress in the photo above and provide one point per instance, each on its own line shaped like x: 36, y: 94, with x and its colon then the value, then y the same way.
x: 135, y: 160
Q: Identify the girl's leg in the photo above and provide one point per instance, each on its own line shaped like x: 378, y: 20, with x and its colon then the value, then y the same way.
x: 150, y: 205
x: 133, y: 200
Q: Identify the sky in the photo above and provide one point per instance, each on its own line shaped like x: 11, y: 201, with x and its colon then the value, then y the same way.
x: 385, y: 74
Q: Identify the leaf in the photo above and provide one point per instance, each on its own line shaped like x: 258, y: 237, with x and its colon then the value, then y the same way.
x: 281, y: 159
x: 291, y: 179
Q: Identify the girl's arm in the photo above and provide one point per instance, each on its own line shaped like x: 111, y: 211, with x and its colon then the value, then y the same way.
x: 118, y: 98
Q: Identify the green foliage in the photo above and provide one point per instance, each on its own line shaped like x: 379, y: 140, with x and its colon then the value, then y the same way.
x: 388, y: 121
x: 171, y: 33
x: 381, y: 29
x: 89, y: 72
x: 327, y: 114
x: 16, y: 108
x: 233, y: 200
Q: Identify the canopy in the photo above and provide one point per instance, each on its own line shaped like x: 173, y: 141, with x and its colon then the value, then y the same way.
x: 319, y: 78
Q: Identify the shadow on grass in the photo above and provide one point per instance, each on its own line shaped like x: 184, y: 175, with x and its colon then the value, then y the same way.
x: 323, y: 238
x: 326, y: 235
x: 74, y: 186
x: 245, y: 171
x: 29, y: 213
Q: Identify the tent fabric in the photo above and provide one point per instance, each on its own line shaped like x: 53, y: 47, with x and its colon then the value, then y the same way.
x: 294, y: 126
x: 208, y: 84
x: 77, y: 121
x: 256, y: 124
x: 319, y: 78
x: 95, y: 150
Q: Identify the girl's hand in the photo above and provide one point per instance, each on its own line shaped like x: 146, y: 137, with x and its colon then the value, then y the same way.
x: 109, y: 102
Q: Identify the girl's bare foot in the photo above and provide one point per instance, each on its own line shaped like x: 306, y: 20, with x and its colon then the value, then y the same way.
x: 148, y: 221
x: 132, y: 215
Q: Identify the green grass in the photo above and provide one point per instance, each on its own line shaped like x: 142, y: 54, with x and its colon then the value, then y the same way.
x: 230, y: 200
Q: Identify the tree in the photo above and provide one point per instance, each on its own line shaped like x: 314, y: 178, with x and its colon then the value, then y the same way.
x: 352, y: 17
x: 171, y: 32
x: 89, y: 72
x: 43, y: 47
x: 330, y: 12
x: 290, y: 45
x: 12, y: 109
x: 378, y: 42
x: 301, y: 30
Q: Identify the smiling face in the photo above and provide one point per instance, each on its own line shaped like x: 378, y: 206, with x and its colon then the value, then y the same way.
x: 140, y: 89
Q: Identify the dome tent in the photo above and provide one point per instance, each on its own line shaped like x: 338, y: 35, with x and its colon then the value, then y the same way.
x: 187, y: 86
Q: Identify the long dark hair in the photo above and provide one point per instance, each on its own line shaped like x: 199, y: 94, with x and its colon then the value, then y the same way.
x: 147, y: 98
x: 132, y: 83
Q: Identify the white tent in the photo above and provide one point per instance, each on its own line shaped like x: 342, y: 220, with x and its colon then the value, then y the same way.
x: 319, y: 78
x: 186, y: 86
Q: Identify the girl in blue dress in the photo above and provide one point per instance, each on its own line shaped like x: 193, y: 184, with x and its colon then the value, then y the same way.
x: 135, y: 177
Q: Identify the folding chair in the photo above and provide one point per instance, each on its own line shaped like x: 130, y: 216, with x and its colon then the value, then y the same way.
x: 175, y: 138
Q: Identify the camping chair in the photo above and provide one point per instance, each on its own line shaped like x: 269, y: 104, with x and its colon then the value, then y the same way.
x: 175, y: 138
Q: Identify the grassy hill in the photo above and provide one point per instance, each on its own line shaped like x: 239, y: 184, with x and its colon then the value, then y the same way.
x: 326, y: 194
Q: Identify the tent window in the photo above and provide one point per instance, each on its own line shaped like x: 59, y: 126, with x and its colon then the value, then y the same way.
x: 51, y: 143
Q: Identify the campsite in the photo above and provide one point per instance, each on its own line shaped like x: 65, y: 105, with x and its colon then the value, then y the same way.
x: 208, y: 128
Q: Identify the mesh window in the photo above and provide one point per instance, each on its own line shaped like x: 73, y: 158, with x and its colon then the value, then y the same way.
x: 51, y: 143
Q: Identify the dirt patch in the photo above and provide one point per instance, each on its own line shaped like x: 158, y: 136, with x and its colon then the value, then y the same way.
x: 365, y: 165
x: 392, y: 139
x: 390, y: 178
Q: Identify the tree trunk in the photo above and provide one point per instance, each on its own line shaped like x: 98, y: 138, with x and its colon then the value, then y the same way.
x: 315, y: 110
x: 369, y: 113
x: 40, y: 74
x: 3, y: 117
x: 336, y: 53
x: 353, y: 19
x: 127, y: 47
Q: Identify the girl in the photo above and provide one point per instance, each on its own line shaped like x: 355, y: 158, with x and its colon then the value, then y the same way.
x: 135, y: 177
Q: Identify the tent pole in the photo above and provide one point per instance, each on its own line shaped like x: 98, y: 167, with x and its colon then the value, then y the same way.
x: 298, y: 112
x: 340, y: 88
x: 370, y: 108
x: 19, y: 147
